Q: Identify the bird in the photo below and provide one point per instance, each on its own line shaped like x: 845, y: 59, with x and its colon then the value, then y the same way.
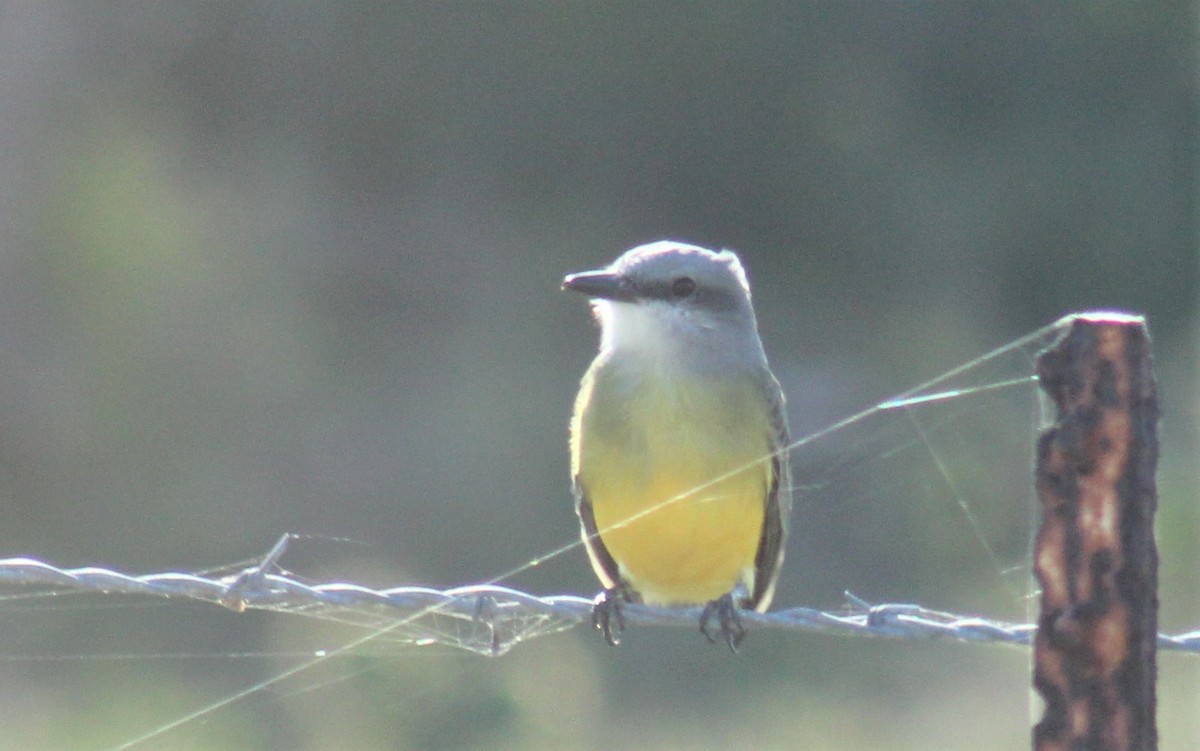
x: 678, y: 441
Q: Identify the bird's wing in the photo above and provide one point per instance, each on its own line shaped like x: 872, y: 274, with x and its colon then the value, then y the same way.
x: 769, y: 559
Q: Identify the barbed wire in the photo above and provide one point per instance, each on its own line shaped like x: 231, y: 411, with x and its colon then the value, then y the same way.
x: 490, y: 619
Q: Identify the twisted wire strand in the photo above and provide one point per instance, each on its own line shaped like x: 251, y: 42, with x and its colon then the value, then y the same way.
x: 509, y: 616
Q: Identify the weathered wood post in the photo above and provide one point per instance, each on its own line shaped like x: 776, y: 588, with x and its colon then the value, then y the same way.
x: 1095, y: 557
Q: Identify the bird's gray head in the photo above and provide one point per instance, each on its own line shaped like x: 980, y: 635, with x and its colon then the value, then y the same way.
x: 676, y: 300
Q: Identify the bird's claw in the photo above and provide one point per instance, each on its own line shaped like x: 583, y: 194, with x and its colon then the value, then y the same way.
x: 729, y: 626
x: 607, y: 617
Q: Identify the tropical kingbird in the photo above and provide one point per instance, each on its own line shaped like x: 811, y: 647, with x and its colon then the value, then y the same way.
x: 679, y: 440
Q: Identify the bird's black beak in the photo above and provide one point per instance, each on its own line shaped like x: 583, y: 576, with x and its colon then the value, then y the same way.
x: 601, y: 284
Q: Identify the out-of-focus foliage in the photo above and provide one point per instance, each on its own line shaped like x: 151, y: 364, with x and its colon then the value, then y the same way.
x: 271, y: 267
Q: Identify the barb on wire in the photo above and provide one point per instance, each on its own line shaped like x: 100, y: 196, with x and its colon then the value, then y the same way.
x: 490, y: 619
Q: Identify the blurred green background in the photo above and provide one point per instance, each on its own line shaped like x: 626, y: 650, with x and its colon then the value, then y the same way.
x: 271, y: 267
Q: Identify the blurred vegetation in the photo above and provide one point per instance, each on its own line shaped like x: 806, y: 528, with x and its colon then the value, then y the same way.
x: 271, y: 267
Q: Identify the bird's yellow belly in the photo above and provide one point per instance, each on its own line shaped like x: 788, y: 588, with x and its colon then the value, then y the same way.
x: 678, y: 492
x: 694, y: 548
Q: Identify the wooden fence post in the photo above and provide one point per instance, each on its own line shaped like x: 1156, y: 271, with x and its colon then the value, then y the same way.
x: 1095, y: 558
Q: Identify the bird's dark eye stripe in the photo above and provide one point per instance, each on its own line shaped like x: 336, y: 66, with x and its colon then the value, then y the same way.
x: 683, y: 286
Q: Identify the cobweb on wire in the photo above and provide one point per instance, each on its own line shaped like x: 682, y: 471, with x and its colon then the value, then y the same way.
x: 976, y: 421
x: 483, y: 619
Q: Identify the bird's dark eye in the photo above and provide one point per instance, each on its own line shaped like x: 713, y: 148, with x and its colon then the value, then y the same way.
x: 683, y: 286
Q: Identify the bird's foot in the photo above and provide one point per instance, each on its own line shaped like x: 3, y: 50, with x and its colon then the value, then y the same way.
x: 607, y: 617
x: 729, y: 627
